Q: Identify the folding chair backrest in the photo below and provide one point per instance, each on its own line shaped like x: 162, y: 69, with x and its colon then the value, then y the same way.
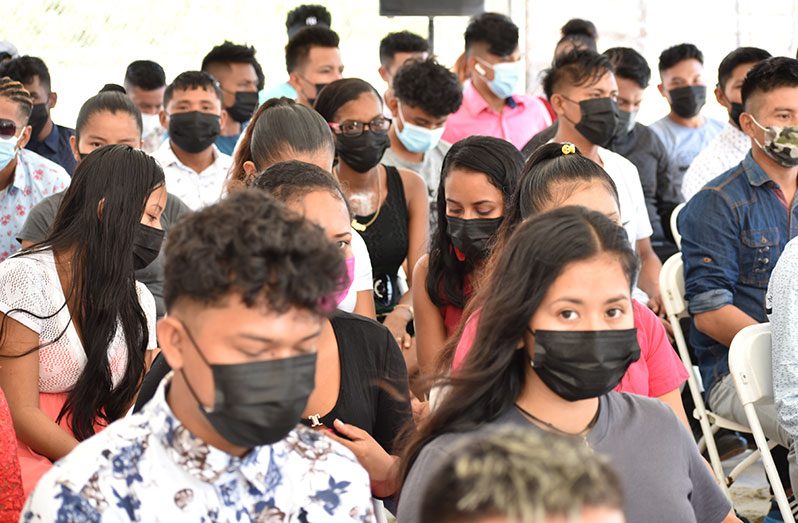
x: 671, y: 283
x: 674, y: 226
x: 750, y: 363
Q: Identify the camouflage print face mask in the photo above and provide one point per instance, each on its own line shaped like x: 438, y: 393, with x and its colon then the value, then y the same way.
x: 781, y: 144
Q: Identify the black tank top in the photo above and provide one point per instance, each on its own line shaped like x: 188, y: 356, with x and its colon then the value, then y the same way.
x: 387, y: 240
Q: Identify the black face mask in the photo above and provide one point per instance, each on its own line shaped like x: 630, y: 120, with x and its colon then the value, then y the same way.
x: 472, y: 237
x: 626, y: 123
x: 736, y: 110
x: 362, y: 152
x: 194, y: 131
x: 147, y: 243
x: 687, y: 101
x: 319, y: 87
x: 38, y: 119
x: 577, y: 365
x: 258, y: 403
x: 599, y: 120
x: 244, y: 107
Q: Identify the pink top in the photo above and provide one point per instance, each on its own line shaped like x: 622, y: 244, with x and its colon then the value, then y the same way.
x: 515, y: 124
x: 658, y: 371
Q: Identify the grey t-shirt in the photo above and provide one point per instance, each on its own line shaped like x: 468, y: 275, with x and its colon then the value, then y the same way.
x: 429, y: 168
x: 42, y: 216
x: 663, y: 476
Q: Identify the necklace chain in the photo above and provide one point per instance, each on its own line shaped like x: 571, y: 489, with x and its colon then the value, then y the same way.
x: 583, y: 434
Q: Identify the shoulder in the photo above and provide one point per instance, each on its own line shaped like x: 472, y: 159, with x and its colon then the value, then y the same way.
x: 31, y: 268
x: 223, y: 161
x: 617, y: 165
x: 319, y: 452
x: 625, y: 407
x: 41, y: 169
x: 65, y: 132
x: 146, y: 299
x: 347, y: 325
x: 715, y: 125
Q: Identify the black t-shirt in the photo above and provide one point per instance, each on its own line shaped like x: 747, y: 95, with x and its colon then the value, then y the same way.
x: 373, y: 394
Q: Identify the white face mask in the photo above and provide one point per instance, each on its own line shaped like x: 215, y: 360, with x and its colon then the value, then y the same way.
x: 151, y: 123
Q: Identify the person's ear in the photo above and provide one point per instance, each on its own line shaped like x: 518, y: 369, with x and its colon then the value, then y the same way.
x: 164, y: 118
x: 250, y: 170
x: 171, y: 339
x: 223, y: 118
x: 73, y: 144
x: 100, y: 208
x: 557, y: 103
x: 392, y: 103
x: 24, y: 137
x: 721, y: 98
x: 384, y: 75
x: 661, y: 89
x: 294, y: 81
x: 52, y: 100
x: 747, y: 124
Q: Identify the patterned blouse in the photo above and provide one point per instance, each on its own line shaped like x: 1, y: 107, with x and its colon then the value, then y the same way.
x: 149, y: 467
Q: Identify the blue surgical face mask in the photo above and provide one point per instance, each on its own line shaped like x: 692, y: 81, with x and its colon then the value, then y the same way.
x: 418, y: 139
x: 8, y: 151
x: 505, y: 79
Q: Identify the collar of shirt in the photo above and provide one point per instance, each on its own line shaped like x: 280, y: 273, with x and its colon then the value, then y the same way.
x: 196, y: 457
x: 475, y: 104
x: 757, y: 176
x: 52, y: 141
x: 168, y: 158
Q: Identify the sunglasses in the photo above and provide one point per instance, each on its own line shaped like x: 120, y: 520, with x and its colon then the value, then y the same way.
x: 8, y: 129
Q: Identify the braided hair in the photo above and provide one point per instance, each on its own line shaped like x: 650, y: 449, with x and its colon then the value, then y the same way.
x: 15, y: 92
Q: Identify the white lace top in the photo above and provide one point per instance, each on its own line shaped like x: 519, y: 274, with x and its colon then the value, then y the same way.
x: 31, y: 283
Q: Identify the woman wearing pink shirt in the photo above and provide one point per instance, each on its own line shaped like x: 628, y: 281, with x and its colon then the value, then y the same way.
x: 557, y: 175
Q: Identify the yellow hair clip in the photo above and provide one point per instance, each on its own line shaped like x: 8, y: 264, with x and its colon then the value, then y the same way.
x: 568, y: 148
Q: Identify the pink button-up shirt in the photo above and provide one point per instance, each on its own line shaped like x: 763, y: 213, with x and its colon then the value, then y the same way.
x: 515, y: 124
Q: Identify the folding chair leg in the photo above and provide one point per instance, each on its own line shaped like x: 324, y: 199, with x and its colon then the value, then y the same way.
x: 714, y: 458
x: 740, y: 468
x: 767, y: 461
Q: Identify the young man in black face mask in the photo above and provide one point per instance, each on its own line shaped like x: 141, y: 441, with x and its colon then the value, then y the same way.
x: 313, y: 60
x: 684, y: 131
x: 240, y: 78
x: 583, y: 92
x: 729, y: 147
x: 195, y: 169
x: 47, y: 139
x: 220, y: 441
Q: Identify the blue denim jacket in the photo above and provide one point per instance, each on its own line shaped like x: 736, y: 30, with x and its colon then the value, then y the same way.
x: 733, y: 232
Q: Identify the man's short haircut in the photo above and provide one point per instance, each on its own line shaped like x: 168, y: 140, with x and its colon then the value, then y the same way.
x: 307, y: 15
x: 146, y: 75
x: 401, y: 42
x: 768, y: 75
x: 429, y: 86
x: 679, y: 53
x: 521, y: 475
x: 740, y: 56
x: 25, y: 68
x: 495, y: 30
x: 16, y: 92
x: 577, y: 68
x: 298, y: 47
x: 230, y: 53
x: 628, y: 63
x: 189, y: 81
x: 251, y: 245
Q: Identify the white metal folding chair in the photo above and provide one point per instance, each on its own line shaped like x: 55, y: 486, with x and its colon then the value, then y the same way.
x: 752, y: 371
x: 674, y: 226
x: 671, y: 282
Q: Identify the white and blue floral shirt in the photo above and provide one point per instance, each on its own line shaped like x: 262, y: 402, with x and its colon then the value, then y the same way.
x: 149, y: 467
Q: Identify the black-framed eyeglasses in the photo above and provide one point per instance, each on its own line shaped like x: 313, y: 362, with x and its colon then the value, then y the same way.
x: 8, y: 129
x: 379, y: 124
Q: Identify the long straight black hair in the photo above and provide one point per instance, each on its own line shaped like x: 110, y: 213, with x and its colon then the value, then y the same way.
x: 501, y: 162
x: 97, y: 219
x: 494, y: 371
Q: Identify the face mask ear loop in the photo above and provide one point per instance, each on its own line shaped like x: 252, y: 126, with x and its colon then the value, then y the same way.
x: 200, y: 406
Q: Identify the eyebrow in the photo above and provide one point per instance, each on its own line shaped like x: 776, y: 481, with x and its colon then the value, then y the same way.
x: 343, y: 234
x: 577, y: 301
x: 270, y: 341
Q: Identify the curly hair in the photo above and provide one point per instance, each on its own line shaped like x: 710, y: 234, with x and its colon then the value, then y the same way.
x: 429, y: 86
x: 521, y: 474
x: 307, y: 15
x: 250, y: 244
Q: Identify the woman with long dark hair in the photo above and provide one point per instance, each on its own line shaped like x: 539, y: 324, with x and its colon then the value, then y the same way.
x: 555, y: 336
x: 282, y: 130
x: 557, y: 175
x: 390, y: 205
x: 76, y: 325
x: 478, y: 178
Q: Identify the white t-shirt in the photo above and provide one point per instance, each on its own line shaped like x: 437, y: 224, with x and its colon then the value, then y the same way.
x: 197, y: 190
x: 30, y: 282
x: 363, y: 278
x: 634, y: 215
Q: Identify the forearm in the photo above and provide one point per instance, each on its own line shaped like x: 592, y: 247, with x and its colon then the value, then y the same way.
x: 364, y: 305
x: 723, y: 324
x: 41, y: 434
x: 387, y: 482
x: 650, y: 267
